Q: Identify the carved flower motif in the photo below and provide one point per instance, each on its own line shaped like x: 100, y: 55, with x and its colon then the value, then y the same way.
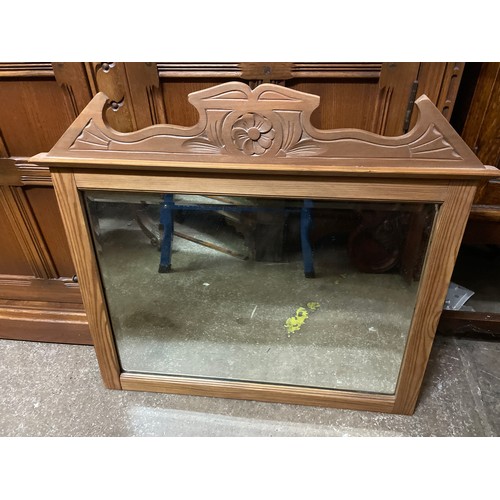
x: 253, y: 134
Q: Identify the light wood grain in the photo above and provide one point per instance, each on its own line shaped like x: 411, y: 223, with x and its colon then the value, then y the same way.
x: 258, y: 392
x: 88, y: 276
x: 438, y: 267
x: 300, y: 187
x: 392, y: 169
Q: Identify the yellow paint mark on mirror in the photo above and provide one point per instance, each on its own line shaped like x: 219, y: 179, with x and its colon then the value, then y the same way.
x: 294, y: 323
x: 313, y: 305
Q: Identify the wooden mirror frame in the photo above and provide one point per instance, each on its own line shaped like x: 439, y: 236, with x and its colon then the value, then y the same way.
x: 285, y: 156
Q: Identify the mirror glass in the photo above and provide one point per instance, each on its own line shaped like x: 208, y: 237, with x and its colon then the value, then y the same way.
x: 299, y: 292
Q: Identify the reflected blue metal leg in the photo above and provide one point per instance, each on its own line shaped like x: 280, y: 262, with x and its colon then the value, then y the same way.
x: 305, y: 226
x: 167, y: 220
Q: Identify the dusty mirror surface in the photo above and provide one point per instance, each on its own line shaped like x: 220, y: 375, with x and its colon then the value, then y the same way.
x: 285, y: 291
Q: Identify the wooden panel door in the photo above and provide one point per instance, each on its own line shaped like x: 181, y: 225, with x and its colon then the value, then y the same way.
x: 378, y: 97
x: 39, y: 299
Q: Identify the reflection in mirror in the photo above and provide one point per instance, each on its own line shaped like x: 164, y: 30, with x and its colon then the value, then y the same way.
x: 284, y: 291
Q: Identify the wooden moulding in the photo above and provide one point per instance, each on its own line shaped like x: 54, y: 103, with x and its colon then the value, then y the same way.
x: 476, y: 324
x: 26, y: 70
x: 18, y: 319
x: 31, y: 288
x: 290, y: 186
x: 222, y: 155
x: 269, y: 71
x: 16, y: 171
x: 88, y: 277
x: 259, y: 392
x: 266, y: 130
x: 440, y: 259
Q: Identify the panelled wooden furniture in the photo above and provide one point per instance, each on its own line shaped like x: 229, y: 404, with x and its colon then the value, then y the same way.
x: 38, y: 298
x: 481, y: 135
x: 429, y: 164
x: 480, y: 132
x: 38, y: 101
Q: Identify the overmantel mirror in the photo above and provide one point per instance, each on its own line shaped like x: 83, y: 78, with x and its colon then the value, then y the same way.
x: 254, y: 256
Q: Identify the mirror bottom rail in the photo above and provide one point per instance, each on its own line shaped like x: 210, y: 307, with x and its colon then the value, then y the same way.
x: 258, y: 392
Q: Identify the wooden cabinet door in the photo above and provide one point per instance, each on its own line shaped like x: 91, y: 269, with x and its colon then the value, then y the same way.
x: 38, y: 298
x: 378, y: 97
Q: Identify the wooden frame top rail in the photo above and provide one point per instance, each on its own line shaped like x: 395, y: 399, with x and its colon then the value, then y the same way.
x: 267, y: 129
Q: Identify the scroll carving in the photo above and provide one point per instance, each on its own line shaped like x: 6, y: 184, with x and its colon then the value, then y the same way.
x: 111, y: 78
x: 268, y: 124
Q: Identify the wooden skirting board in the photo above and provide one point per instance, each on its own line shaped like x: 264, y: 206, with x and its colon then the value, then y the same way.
x: 44, y: 322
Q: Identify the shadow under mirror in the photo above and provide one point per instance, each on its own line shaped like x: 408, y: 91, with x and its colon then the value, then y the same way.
x: 285, y: 291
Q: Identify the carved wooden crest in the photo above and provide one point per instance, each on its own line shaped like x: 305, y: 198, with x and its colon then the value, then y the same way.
x: 269, y: 124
